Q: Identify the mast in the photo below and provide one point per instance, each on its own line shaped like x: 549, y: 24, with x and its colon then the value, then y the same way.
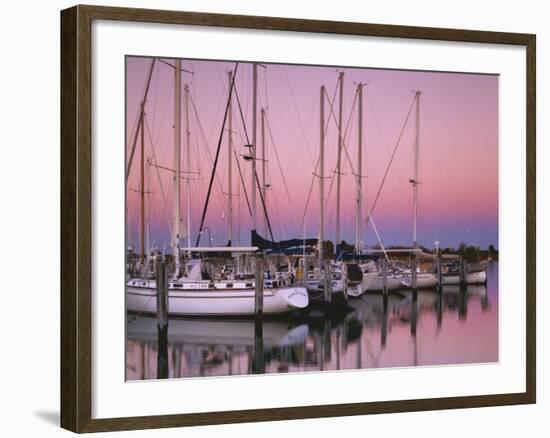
x: 188, y: 165
x: 148, y: 217
x: 230, y: 162
x: 142, y: 109
x: 254, y: 117
x: 358, y: 243
x: 339, y: 162
x: 321, y: 171
x: 142, y: 194
x: 415, y: 181
x: 264, y: 161
x: 177, y: 166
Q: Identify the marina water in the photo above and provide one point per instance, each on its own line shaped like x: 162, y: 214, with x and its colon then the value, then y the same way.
x: 426, y: 328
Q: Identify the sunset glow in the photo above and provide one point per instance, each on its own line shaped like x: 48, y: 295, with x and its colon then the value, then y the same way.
x: 458, y: 164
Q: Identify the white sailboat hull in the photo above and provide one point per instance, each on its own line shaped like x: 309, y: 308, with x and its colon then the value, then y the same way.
x: 472, y: 278
x: 217, y: 302
x: 318, y: 286
x: 423, y: 281
x: 372, y: 281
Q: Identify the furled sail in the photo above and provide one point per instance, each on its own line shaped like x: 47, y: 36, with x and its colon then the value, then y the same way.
x: 282, y: 245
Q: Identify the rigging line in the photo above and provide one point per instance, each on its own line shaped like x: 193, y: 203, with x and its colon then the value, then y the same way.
x: 234, y: 150
x: 307, y: 201
x: 317, y: 164
x: 217, y: 157
x: 155, y: 98
x: 256, y: 176
x: 450, y: 187
x: 277, y: 207
x: 242, y: 116
x: 346, y: 131
x: 376, y: 233
x: 201, y: 130
x: 389, y: 164
x: 242, y: 180
x: 278, y: 161
x: 157, y: 128
x: 264, y: 207
x: 326, y: 130
x: 385, y: 142
x: 142, y: 109
x: 297, y: 113
x: 281, y: 171
x: 442, y: 164
x: 266, y: 93
x: 137, y: 120
x: 215, y: 118
x: 153, y: 156
x: 195, y: 146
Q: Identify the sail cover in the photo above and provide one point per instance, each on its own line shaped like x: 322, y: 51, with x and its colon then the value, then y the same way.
x: 264, y: 244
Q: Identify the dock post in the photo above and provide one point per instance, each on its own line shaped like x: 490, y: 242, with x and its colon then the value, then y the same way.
x: 385, y: 277
x: 439, y: 273
x: 414, y: 313
x: 384, y: 328
x: 414, y: 281
x: 462, y: 294
x: 162, y: 320
x: 439, y: 315
x: 462, y: 270
x: 345, y: 280
x: 259, y: 286
x: 328, y: 282
x: 258, y: 365
x: 462, y: 303
x: 162, y: 294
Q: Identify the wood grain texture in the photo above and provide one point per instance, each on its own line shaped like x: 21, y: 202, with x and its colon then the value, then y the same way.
x: 531, y: 213
x: 76, y: 219
x: 69, y: 347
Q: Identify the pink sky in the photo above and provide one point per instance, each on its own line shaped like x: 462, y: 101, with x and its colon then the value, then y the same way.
x: 458, y: 197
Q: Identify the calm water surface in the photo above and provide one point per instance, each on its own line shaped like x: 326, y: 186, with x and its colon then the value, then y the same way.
x: 427, y: 329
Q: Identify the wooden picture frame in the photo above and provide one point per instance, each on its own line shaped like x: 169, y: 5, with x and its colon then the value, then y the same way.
x: 76, y: 217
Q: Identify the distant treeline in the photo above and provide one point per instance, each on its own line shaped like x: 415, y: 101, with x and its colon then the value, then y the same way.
x: 471, y: 253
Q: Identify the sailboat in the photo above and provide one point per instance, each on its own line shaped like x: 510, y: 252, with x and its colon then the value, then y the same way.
x: 329, y: 273
x: 194, y: 289
x: 479, y: 277
x: 424, y: 280
x: 198, y: 293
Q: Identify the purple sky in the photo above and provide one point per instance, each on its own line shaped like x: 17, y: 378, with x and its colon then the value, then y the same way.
x: 458, y: 195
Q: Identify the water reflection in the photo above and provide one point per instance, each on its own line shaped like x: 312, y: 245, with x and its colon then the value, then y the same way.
x: 402, y: 329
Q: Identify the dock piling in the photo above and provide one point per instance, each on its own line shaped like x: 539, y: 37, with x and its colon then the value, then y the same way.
x: 345, y: 280
x: 414, y: 282
x: 259, y: 363
x: 462, y: 270
x: 384, y: 328
x: 258, y: 366
x: 259, y: 286
x: 439, y: 272
x: 162, y: 294
x: 385, y: 277
x: 328, y: 282
x: 162, y: 320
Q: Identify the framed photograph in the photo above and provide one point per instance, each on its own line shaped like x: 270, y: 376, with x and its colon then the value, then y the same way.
x: 268, y: 218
